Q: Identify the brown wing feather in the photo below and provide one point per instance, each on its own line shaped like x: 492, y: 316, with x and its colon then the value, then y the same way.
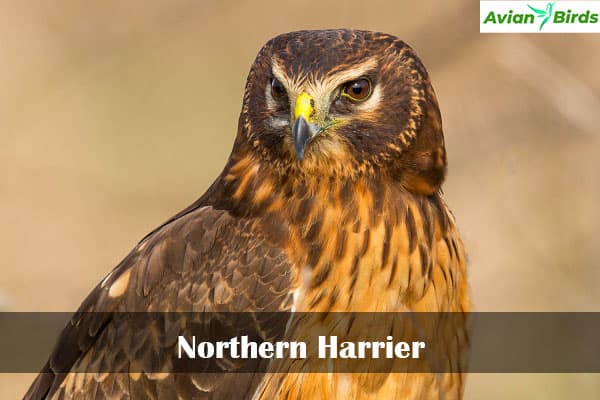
x: 206, y: 260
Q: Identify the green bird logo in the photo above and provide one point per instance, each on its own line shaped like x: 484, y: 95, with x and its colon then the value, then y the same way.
x: 544, y: 14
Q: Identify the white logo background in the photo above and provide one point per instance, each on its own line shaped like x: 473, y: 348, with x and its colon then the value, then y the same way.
x: 520, y: 7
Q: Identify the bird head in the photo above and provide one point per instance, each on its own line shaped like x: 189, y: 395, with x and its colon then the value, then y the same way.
x: 344, y: 103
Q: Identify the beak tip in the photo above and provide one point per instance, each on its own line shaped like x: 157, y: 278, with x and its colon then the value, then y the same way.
x: 302, y: 133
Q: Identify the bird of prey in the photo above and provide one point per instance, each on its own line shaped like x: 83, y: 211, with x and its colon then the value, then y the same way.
x: 329, y: 202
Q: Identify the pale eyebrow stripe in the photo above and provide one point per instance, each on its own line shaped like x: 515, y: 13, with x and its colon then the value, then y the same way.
x: 324, y: 89
x: 292, y: 86
x: 329, y: 83
x: 279, y: 72
x: 344, y: 75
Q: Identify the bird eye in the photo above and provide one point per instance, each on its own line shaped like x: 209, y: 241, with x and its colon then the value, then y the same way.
x: 277, y: 89
x: 358, y: 90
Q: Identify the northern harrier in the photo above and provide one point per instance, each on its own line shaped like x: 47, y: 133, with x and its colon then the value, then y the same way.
x: 330, y: 201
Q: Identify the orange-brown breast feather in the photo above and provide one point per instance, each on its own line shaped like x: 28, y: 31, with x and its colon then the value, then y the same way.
x: 351, y: 241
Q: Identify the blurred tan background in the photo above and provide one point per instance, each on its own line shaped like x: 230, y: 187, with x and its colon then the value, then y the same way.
x: 115, y: 115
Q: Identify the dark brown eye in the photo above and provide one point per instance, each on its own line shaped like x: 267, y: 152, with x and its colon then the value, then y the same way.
x: 277, y: 89
x: 357, y: 90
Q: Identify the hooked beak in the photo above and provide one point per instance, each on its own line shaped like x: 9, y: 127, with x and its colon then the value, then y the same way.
x: 303, y: 130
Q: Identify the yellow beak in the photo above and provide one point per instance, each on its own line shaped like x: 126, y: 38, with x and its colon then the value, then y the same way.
x: 304, y: 129
x: 304, y: 107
